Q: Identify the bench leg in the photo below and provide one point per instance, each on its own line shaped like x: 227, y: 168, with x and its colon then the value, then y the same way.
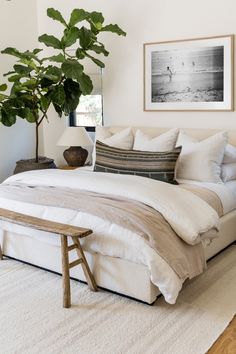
x: 65, y: 272
x: 87, y: 272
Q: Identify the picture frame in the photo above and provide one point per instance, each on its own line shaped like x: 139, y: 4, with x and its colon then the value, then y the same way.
x: 189, y: 74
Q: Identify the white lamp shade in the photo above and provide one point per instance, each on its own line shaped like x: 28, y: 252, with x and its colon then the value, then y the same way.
x: 75, y: 136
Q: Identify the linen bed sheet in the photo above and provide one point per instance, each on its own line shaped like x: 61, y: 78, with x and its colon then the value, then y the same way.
x: 111, y: 239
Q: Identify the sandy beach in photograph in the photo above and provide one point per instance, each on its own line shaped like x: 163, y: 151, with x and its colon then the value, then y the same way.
x: 188, y: 75
x: 188, y: 87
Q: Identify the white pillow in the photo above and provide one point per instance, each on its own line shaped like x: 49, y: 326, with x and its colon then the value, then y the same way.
x: 228, y: 172
x: 163, y: 142
x: 122, y: 140
x: 230, y: 154
x: 201, y: 160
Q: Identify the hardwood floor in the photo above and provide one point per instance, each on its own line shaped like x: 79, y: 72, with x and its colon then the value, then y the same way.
x: 226, y: 343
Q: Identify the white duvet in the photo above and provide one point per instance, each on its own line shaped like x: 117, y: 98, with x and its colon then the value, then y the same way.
x: 188, y: 215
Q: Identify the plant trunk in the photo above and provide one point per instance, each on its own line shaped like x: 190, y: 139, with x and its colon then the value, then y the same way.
x: 37, y: 144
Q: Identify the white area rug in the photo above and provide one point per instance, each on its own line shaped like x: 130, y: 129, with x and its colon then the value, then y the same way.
x: 32, y: 319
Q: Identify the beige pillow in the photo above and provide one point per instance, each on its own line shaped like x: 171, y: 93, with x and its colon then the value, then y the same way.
x: 230, y: 154
x: 201, y: 160
x: 124, y: 139
x: 160, y: 143
x: 228, y: 172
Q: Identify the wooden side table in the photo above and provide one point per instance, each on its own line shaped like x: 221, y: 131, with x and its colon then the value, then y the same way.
x: 64, y: 231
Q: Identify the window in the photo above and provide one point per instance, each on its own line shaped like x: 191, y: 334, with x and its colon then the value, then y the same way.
x: 89, y: 112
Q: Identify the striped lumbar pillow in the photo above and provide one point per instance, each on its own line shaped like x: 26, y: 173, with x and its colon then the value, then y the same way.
x: 156, y: 165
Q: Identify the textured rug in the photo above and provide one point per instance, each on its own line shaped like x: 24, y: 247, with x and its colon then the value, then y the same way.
x: 33, y: 321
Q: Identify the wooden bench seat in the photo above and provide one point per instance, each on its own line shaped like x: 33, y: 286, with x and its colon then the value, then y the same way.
x: 64, y: 231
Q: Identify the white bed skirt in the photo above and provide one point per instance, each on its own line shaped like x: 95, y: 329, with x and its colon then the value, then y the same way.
x: 119, y: 275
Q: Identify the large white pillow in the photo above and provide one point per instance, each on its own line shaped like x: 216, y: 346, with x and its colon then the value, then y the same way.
x: 163, y: 142
x: 230, y: 154
x: 228, y: 172
x: 201, y: 160
x: 124, y: 139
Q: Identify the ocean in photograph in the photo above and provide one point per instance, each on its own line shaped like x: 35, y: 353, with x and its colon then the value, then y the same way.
x: 188, y: 75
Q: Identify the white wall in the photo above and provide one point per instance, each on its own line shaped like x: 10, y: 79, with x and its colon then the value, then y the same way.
x: 145, y: 21
x: 18, y: 28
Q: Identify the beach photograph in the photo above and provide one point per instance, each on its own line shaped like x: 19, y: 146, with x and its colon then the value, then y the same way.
x: 188, y: 74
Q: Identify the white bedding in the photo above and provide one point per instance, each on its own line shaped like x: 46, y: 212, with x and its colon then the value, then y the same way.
x: 110, y: 239
x: 225, y: 191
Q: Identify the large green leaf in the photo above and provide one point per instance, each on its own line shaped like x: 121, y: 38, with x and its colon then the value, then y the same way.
x: 12, y: 51
x: 58, y: 95
x: 9, y: 73
x: 3, y: 87
x: 56, y: 58
x: 86, y: 85
x: 86, y: 37
x: 45, y: 102
x: 77, y: 16
x: 14, y: 78
x: 97, y: 17
x: 58, y: 109
x: 50, y: 41
x: 23, y: 112
x: 54, y: 71
x: 30, y: 117
x: 70, y: 36
x: 31, y: 83
x: 37, y: 50
x: 80, y: 54
x: 2, y: 97
x: 45, y: 83
x: 114, y: 29
x: 96, y: 61
x: 72, y: 68
x: 22, y: 70
x: 73, y: 93
x: 8, y: 117
x: 56, y: 15
x: 99, y: 49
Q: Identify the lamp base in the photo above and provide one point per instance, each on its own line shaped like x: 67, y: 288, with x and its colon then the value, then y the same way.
x: 75, y: 156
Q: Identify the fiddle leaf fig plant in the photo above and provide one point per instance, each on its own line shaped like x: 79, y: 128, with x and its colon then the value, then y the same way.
x: 39, y: 81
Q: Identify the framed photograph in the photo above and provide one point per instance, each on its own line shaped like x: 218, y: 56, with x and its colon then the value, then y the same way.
x: 189, y: 75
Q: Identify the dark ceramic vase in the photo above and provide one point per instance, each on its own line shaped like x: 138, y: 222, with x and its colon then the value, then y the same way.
x: 75, y: 156
x: 30, y: 164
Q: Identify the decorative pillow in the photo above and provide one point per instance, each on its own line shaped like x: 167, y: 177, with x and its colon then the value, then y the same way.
x: 163, y: 142
x: 230, y: 154
x: 123, y: 139
x: 228, y: 172
x: 156, y: 165
x: 201, y: 160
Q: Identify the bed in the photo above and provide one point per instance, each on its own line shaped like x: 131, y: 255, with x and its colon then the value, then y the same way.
x: 119, y: 273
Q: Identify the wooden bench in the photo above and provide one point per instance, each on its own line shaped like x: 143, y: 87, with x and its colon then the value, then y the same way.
x: 64, y: 231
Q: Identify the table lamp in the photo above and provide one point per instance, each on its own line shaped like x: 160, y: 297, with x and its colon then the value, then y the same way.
x: 75, y: 137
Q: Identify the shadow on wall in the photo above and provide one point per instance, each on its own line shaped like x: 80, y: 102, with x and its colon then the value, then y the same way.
x: 16, y: 142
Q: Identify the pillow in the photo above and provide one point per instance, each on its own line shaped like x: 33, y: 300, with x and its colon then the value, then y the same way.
x: 230, y: 154
x: 228, y: 172
x: 124, y: 139
x: 201, y: 160
x: 163, y: 142
x: 156, y: 165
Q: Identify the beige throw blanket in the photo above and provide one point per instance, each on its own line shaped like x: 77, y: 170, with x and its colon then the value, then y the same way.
x: 186, y: 260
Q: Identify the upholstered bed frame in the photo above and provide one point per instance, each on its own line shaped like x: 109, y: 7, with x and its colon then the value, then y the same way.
x: 115, y: 274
